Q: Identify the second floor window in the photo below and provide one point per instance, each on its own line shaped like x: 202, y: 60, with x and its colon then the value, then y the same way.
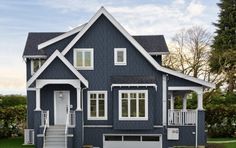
x: 83, y: 58
x: 36, y: 64
x: 97, y: 105
x: 120, y: 57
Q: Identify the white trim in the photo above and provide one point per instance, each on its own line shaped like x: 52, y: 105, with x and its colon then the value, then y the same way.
x: 35, y: 56
x: 103, y: 11
x: 158, y: 126
x: 60, y: 37
x: 78, y: 99
x: 97, y: 103
x: 124, y: 62
x: 164, y: 100
x: 97, y: 126
x: 91, y: 50
x: 42, y: 82
x: 47, y: 63
x: 196, y: 132
x: 55, y: 107
x: 31, y: 89
x: 133, y: 85
x: 37, y: 102
x: 137, y: 106
x: 158, y: 53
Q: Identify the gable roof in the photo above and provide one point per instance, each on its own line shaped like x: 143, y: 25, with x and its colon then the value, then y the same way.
x: 103, y: 11
x: 49, y: 61
x: 60, y: 37
x: 154, y: 44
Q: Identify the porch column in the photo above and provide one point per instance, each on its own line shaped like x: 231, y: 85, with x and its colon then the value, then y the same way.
x: 78, y: 99
x: 172, y: 101
x: 37, y: 108
x: 185, y: 102
x: 200, y: 100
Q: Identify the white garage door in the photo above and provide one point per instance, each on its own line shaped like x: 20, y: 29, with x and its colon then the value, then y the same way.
x: 132, y: 141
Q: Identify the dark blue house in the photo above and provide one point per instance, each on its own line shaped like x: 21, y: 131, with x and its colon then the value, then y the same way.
x: 97, y: 85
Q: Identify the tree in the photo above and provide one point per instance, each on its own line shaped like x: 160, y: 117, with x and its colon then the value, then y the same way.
x: 223, y: 55
x: 189, y: 53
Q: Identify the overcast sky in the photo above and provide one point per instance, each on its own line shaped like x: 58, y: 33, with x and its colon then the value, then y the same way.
x: 18, y: 17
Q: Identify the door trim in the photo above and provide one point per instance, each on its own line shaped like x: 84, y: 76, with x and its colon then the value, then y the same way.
x: 55, y: 108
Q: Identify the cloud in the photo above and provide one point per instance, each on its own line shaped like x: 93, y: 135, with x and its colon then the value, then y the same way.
x: 195, y: 8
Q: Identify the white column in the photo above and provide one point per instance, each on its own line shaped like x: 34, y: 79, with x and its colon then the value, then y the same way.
x: 200, y: 100
x: 185, y: 102
x: 172, y: 101
x: 37, y: 108
x: 78, y: 90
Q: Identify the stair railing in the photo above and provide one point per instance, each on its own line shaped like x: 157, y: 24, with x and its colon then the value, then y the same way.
x: 45, y: 115
x: 67, y: 124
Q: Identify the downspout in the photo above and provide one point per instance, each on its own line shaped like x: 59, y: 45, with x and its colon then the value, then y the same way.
x: 196, y: 133
x: 83, y: 113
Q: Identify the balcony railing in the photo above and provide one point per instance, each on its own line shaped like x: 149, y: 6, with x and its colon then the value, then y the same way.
x: 181, y: 117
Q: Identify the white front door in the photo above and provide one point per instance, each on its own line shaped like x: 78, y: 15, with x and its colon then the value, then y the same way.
x: 61, y: 104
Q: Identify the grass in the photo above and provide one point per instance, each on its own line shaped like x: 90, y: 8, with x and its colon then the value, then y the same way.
x: 221, y: 142
x: 13, y: 143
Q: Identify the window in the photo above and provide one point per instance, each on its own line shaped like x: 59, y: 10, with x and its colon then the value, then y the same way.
x: 36, y: 64
x: 83, y: 58
x: 97, y: 105
x: 133, y: 105
x: 120, y: 57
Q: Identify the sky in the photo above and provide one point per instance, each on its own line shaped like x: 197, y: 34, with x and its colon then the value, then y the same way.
x: 18, y: 17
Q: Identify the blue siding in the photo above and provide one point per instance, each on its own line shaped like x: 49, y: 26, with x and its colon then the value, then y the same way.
x: 30, y: 108
x: 176, y: 81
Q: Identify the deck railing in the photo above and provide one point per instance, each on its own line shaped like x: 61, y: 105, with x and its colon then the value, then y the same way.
x: 181, y: 117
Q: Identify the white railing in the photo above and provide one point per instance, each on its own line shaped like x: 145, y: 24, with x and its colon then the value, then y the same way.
x: 45, y: 118
x: 29, y: 136
x: 67, y: 124
x: 72, y: 118
x: 181, y: 117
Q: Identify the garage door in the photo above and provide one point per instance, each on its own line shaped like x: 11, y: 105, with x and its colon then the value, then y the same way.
x: 132, y: 141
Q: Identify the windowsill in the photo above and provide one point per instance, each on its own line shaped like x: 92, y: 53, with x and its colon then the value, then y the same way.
x: 120, y: 64
x: 97, y: 118
x: 133, y: 119
x: 84, y: 68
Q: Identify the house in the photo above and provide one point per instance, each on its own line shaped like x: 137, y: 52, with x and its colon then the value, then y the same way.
x: 98, y: 85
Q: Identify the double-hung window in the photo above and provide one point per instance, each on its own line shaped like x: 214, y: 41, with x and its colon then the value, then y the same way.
x: 83, y: 58
x: 36, y: 64
x: 120, y: 56
x: 133, y: 105
x: 97, y: 105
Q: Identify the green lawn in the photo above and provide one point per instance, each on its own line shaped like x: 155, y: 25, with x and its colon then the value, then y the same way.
x: 13, y: 143
x: 222, y: 142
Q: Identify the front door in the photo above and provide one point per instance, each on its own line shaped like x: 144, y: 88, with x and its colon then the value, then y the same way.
x: 61, y: 104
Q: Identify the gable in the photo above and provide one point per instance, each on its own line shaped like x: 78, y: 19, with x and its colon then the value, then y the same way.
x: 57, y: 70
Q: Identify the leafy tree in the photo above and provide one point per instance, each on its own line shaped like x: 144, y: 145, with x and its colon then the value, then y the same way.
x: 223, y: 55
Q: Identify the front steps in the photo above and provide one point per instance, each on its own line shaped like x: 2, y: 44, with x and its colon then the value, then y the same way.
x: 55, y: 137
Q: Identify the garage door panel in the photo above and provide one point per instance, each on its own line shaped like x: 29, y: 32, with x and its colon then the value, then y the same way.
x: 132, y: 142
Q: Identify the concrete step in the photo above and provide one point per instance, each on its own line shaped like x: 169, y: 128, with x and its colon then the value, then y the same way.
x: 55, y: 139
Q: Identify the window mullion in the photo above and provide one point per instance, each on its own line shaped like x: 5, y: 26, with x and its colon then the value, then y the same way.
x: 137, y: 105
x: 97, y: 109
x: 129, y: 105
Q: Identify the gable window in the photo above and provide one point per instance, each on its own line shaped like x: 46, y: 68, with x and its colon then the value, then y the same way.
x: 133, y: 105
x: 120, y: 57
x: 97, y: 105
x: 83, y: 58
x: 36, y: 64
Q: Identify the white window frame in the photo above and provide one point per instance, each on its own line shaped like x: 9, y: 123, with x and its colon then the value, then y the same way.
x: 137, y: 107
x: 32, y: 64
x: 116, y: 50
x: 92, y: 59
x: 97, y: 111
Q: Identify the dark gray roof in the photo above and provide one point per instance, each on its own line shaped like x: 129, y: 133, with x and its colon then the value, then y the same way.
x: 155, y: 43
x: 152, y: 43
x: 132, y: 79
